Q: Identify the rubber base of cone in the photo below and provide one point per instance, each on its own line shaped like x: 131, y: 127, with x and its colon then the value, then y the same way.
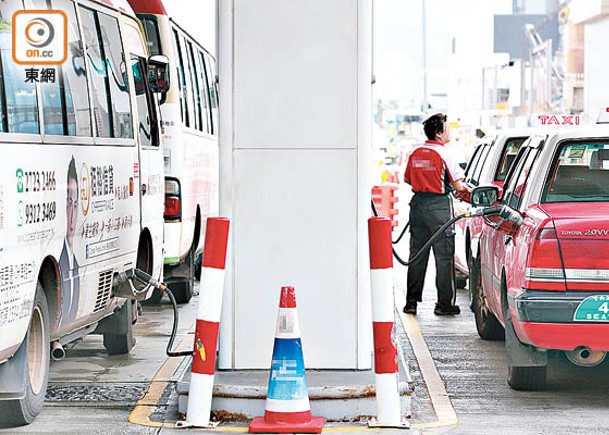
x: 259, y: 425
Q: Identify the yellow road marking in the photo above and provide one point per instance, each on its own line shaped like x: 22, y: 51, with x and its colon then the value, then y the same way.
x: 146, y: 405
x: 438, y: 395
x: 144, y: 408
x: 440, y: 400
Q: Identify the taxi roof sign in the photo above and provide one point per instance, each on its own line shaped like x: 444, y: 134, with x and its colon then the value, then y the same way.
x: 554, y: 119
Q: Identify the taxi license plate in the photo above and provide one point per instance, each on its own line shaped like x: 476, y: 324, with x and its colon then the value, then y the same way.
x: 593, y: 309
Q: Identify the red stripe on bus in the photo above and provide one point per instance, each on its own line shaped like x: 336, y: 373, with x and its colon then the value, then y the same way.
x: 148, y: 7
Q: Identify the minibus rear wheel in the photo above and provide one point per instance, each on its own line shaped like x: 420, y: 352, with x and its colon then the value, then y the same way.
x: 34, y: 353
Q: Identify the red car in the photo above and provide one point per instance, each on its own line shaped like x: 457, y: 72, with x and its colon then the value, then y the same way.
x: 489, y: 165
x: 540, y: 275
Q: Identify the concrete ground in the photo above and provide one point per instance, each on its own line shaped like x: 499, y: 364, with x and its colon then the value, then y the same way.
x: 459, y: 381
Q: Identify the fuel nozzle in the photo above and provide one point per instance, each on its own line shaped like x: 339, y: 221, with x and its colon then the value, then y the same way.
x: 503, y: 211
x: 147, y: 279
x: 495, y: 209
x: 134, y: 284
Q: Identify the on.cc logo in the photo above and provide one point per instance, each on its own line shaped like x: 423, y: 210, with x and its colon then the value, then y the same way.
x: 40, y: 37
x: 39, y: 32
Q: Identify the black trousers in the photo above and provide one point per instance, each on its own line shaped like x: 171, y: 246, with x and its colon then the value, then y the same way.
x: 428, y: 213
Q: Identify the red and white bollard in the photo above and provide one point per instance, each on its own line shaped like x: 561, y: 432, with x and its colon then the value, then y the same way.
x: 385, y: 348
x: 208, y: 322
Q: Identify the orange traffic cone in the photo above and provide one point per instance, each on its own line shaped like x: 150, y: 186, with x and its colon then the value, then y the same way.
x: 287, y: 407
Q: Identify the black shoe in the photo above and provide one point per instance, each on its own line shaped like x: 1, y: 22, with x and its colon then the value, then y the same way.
x: 446, y: 310
x: 411, y: 307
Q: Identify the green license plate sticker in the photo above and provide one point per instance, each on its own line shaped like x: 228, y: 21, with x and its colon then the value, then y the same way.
x: 593, y: 309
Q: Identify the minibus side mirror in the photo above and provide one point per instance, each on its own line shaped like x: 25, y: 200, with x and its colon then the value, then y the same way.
x: 484, y: 196
x: 158, y: 73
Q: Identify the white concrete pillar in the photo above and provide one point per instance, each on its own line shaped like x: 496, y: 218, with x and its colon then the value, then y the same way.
x: 295, y: 107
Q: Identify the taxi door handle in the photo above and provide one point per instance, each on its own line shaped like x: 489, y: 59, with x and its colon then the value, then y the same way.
x: 144, y: 188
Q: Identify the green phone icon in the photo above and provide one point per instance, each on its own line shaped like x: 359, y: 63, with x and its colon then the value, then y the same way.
x: 19, y: 175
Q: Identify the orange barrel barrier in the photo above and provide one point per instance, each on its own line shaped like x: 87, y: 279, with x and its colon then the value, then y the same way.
x: 385, y: 200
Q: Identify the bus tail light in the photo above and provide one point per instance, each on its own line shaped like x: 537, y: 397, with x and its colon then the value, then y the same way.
x: 173, y: 201
x: 545, y: 269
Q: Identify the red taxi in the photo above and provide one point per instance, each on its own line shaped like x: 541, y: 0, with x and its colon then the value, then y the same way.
x: 541, y: 274
x: 489, y: 165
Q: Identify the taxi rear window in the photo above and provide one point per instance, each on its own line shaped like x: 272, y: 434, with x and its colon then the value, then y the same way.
x: 580, y: 173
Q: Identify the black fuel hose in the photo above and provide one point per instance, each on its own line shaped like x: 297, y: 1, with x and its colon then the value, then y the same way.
x: 484, y: 212
x: 426, y: 246
x: 174, y: 329
x: 144, y: 278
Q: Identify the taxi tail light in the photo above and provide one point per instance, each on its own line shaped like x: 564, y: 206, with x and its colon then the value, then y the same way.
x: 173, y: 200
x: 586, y: 264
x: 545, y: 269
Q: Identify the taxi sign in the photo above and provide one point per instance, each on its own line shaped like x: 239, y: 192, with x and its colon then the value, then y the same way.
x: 554, y: 119
x: 593, y: 309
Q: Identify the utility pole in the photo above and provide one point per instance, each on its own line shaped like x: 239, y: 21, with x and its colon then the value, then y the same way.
x: 424, y: 31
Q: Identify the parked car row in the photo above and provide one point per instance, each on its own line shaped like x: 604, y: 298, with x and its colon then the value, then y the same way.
x: 539, y: 268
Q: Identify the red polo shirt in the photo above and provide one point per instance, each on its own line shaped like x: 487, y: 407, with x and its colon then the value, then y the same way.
x: 432, y: 168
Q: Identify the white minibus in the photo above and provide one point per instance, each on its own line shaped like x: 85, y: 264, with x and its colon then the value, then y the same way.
x: 190, y: 141
x: 81, y: 184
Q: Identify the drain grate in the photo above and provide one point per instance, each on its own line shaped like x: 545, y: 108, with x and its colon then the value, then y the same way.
x: 95, y: 394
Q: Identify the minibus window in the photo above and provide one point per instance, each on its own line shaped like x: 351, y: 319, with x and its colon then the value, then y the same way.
x: 21, y: 104
x: 53, y: 108
x: 192, y: 66
x: 188, y: 89
x: 152, y: 33
x: 210, y: 67
x: 73, y: 77
x: 204, y: 90
x: 20, y: 114
x: 98, y: 75
x: 2, y: 101
x: 117, y: 76
x: 53, y: 99
x: 180, y: 66
x: 142, y: 102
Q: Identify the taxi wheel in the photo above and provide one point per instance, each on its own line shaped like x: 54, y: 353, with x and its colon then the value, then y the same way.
x: 35, y: 354
x: 470, y: 265
x: 527, y: 378
x: 526, y: 364
x: 487, y: 324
